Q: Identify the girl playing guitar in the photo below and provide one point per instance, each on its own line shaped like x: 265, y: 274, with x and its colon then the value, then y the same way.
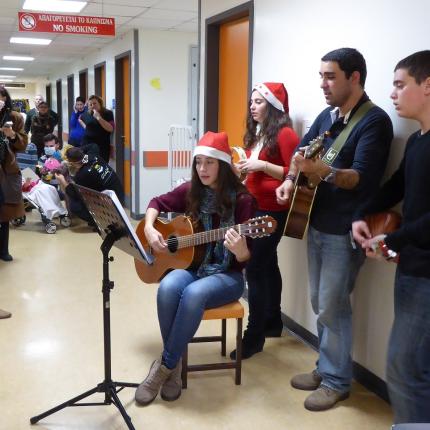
x: 216, y: 198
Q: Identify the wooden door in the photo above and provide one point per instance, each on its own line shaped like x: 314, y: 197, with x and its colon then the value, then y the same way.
x: 123, y: 123
x: 233, y: 79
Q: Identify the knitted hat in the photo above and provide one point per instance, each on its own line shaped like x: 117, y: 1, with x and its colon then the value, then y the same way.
x: 275, y: 93
x: 214, y: 145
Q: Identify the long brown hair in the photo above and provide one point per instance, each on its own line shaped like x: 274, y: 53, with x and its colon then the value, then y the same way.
x: 273, y: 123
x: 227, y: 182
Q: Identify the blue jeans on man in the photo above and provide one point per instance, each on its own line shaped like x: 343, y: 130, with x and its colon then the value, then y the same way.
x: 181, y: 301
x: 333, y: 265
x: 408, y: 362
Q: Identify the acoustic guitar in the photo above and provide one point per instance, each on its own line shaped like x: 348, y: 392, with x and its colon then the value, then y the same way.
x: 304, y: 194
x: 186, y: 246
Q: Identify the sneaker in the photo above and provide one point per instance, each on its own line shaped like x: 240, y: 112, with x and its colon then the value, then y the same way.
x: 172, y: 388
x: 147, y: 391
x: 324, y: 398
x: 250, y: 346
x: 307, y: 381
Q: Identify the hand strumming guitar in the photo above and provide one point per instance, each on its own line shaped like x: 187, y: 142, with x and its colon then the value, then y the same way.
x: 360, y: 231
x: 153, y: 236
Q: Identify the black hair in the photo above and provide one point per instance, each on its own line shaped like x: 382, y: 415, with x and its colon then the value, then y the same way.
x: 42, y: 103
x: 417, y: 65
x: 80, y: 99
x: 275, y: 120
x: 49, y: 137
x: 74, y: 154
x: 349, y: 60
x: 8, y: 102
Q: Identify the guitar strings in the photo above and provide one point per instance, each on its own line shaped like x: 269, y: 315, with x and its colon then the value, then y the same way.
x: 203, y: 237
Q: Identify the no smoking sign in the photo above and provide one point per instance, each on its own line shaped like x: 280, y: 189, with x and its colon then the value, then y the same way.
x: 27, y: 22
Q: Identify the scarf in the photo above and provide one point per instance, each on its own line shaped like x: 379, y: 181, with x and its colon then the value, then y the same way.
x: 217, y: 257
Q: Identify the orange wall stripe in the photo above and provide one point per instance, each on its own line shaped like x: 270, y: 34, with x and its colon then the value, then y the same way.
x: 155, y: 158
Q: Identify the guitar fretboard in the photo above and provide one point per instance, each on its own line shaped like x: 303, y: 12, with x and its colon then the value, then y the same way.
x: 208, y: 236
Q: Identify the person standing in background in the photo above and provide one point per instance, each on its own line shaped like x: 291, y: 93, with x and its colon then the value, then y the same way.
x: 76, y: 131
x: 41, y: 124
x: 12, y: 140
x: 32, y: 112
x: 269, y: 142
x: 99, y: 124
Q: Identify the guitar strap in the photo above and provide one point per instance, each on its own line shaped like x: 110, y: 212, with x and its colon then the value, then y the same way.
x: 337, y: 145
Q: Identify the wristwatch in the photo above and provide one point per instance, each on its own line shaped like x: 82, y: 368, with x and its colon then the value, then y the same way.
x: 331, y: 177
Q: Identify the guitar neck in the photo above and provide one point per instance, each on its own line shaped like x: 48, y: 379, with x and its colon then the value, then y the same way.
x: 205, y: 236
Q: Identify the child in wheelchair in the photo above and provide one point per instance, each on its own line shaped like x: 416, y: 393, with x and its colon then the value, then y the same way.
x: 41, y: 191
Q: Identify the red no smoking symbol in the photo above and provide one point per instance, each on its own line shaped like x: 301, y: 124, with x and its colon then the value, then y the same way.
x: 28, y: 22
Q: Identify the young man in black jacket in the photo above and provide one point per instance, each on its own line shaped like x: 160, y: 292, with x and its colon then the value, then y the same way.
x: 408, y: 362
x: 90, y: 172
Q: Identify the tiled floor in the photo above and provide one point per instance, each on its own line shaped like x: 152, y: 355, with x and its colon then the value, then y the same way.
x: 52, y: 349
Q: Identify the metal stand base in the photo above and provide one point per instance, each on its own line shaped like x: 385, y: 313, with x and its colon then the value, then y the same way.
x: 108, y: 387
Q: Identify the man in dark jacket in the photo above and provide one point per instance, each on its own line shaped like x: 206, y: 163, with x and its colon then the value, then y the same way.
x: 32, y: 112
x: 42, y: 123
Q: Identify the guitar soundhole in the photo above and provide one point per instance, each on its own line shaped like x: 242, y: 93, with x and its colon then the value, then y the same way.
x: 172, y: 243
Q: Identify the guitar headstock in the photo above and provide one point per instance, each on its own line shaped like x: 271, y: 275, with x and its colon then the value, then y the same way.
x: 316, y: 145
x: 258, y: 227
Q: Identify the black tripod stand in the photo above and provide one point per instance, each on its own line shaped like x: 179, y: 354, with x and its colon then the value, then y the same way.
x: 115, y: 230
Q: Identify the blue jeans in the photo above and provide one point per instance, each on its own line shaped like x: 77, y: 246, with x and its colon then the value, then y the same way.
x: 333, y: 266
x: 408, y: 363
x: 181, y: 300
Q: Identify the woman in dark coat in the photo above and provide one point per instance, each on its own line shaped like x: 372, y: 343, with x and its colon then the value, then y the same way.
x: 12, y: 140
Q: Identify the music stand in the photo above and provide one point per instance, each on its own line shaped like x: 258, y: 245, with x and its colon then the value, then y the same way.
x: 115, y: 229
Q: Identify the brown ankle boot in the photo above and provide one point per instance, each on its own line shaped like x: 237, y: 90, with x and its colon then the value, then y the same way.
x: 307, y: 381
x: 171, y: 389
x: 324, y: 398
x: 147, y: 391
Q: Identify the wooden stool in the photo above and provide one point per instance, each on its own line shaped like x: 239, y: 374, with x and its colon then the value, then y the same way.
x: 230, y: 310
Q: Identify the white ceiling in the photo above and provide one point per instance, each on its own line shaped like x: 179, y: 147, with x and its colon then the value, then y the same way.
x: 167, y: 15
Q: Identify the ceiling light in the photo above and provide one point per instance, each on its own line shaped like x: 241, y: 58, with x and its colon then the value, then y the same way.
x: 17, y: 58
x: 6, y: 80
x: 54, y: 5
x: 30, y: 40
x: 16, y: 69
x: 7, y: 77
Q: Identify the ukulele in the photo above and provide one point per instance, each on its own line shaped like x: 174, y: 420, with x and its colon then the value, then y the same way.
x: 186, y: 246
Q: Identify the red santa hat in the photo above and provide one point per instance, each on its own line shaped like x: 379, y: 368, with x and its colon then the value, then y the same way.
x: 214, y: 145
x: 275, y: 93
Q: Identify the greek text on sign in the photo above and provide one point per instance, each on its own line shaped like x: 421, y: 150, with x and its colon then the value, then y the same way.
x: 70, y: 24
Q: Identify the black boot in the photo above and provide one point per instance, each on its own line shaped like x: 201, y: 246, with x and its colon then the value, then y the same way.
x: 273, y: 327
x: 4, y: 242
x: 250, y: 346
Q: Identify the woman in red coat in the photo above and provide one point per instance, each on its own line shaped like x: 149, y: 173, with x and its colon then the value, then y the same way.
x: 269, y: 143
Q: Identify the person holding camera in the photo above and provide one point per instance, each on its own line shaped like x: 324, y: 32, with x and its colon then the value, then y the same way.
x: 12, y: 140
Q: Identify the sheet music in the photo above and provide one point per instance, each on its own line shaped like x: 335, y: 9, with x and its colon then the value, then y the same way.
x: 125, y: 218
